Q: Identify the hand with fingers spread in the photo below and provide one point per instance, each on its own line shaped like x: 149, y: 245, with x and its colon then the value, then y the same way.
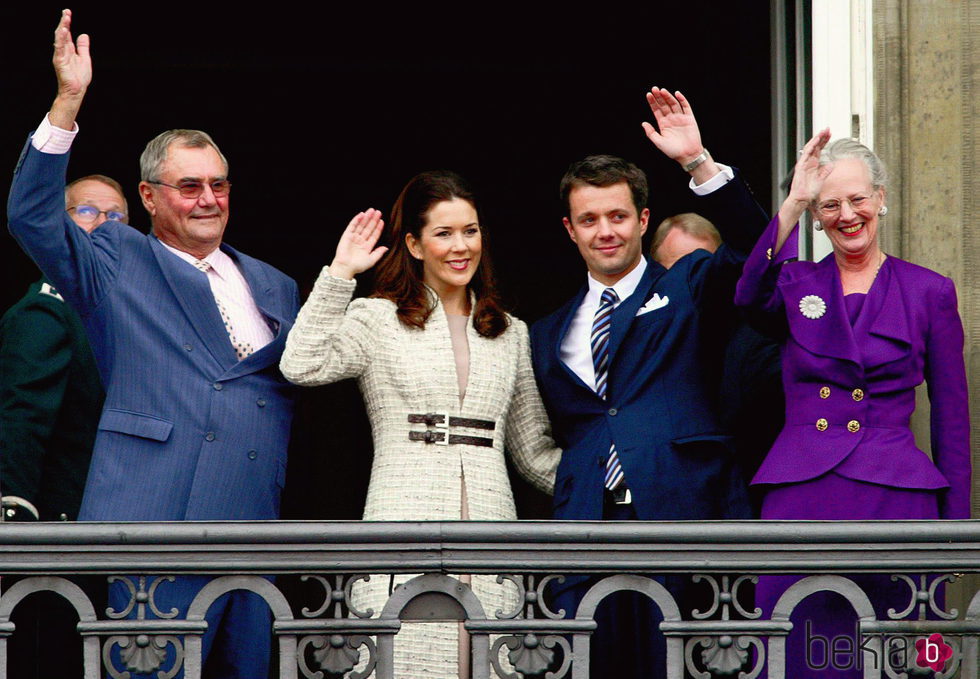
x: 808, y: 177
x: 356, y: 251
x: 678, y: 137
x: 73, y: 67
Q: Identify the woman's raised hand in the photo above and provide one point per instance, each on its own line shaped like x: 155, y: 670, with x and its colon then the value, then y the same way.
x: 808, y: 175
x: 356, y: 251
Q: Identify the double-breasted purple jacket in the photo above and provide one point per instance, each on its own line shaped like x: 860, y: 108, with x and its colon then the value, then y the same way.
x: 850, y: 391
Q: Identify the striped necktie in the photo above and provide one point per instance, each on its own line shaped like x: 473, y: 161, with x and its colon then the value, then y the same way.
x: 600, y: 360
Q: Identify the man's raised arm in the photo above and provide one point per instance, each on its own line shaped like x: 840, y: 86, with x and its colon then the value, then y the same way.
x: 36, y: 213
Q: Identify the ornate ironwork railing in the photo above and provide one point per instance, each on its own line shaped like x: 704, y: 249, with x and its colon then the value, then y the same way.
x: 331, y: 637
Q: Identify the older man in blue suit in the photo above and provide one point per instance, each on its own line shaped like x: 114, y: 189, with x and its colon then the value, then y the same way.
x: 187, y: 334
x: 620, y: 367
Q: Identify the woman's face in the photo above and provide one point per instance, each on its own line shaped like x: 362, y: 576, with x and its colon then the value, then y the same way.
x: 449, y: 246
x: 847, y: 207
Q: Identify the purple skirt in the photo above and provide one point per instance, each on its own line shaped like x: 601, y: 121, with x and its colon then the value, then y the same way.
x: 825, y: 616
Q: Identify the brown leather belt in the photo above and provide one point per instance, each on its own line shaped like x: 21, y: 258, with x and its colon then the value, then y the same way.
x: 442, y: 422
x: 440, y: 437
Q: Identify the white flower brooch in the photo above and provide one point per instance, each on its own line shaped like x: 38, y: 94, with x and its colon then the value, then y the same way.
x: 812, y: 306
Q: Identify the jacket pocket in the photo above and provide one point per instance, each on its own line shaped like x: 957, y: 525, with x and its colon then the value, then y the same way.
x: 135, y: 424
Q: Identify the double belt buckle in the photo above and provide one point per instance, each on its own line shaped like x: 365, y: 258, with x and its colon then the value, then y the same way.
x: 440, y: 421
x: 437, y: 429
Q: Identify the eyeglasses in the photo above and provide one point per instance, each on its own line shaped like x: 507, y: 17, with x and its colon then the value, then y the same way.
x: 219, y: 187
x: 89, y: 213
x: 831, y: 208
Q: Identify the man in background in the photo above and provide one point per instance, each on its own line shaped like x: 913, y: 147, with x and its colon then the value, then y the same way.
x: 50, y: 392
x: 749, y: 379
x: 50, y: 402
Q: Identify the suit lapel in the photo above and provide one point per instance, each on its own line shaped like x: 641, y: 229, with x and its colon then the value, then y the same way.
x: 193, y: 293
x: 884, y: 320
x: 561, y: 330
x: 829, y: 334
x: 625, y: 313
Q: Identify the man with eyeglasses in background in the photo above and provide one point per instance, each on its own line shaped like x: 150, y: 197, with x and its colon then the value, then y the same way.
x: 187, y: 333
x: 50, y: 392
x: 50, y: 400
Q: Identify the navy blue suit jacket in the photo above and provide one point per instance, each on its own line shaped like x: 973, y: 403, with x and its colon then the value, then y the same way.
x: 660, y: 409
x: 187, y: 431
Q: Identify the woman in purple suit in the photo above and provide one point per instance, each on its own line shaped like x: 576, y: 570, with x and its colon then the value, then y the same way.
x: 860, y: 330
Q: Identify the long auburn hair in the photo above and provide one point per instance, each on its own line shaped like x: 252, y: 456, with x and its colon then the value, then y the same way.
x: 399, y: 275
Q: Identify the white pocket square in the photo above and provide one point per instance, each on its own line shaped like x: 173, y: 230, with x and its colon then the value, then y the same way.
x: 654, y: 303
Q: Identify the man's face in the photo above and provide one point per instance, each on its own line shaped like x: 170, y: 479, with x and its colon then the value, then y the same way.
x: 679, y: 243
x: 608, y: 231
x: 192, y: 225
x: 93, y: 194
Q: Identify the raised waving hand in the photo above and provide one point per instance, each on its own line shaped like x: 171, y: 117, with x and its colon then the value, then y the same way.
x: 73, y: 68
x: 808, y: 178
x: 677, y: 134
x: 356, y: 251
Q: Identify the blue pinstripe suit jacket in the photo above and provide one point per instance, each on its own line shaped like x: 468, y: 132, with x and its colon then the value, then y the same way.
x: 187, y: 431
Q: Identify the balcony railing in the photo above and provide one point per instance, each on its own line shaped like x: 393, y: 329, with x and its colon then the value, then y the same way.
x: 329, y: 637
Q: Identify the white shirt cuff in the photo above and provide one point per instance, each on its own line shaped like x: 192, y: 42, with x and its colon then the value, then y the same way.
x: 719, y: 180
x: 50, y: 139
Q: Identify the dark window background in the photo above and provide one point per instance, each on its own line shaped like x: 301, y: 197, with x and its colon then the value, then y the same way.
x: 323, y: 112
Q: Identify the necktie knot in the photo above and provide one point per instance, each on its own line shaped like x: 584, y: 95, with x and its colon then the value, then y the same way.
x: 608, y: 298
x: 201, y: 265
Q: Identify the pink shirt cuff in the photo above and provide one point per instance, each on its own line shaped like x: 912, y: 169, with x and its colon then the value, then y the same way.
x: 50, y: 139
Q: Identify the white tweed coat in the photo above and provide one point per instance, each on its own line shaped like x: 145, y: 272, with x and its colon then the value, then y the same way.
x: 404, y: 370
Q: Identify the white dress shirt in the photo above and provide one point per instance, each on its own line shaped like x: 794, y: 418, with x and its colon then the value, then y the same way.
x: 576, y: 346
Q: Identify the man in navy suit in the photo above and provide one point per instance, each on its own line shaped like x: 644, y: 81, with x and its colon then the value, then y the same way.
x: 187, y: 333
x: 620, y: 368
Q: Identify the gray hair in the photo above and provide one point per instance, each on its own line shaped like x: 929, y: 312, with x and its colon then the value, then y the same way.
x: 155, y: 153
x: 850, y: 148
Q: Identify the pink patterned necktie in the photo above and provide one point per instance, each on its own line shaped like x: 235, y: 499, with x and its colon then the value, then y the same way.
x: 242, y: 348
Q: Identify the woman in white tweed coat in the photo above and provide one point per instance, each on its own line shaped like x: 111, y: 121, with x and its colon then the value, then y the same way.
x: 432, y: 339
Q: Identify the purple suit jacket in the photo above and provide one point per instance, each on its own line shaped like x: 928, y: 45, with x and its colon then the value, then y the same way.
x: 850, y: 391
